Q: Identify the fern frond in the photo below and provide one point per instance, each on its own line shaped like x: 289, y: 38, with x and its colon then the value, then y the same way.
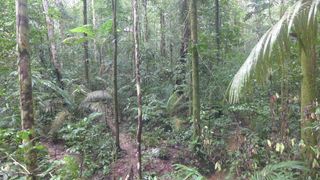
x: 282, y: 170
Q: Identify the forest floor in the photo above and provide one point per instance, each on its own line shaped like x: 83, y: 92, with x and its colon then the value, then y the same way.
x: 157, y: 161
x: 56, y: 150
x: 156, y: 165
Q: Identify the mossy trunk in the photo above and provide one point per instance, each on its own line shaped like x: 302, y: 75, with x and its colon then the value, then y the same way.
x: 181, y: 67
x: 24, y: 70
x: 195, y: 69
x: 308, y: 97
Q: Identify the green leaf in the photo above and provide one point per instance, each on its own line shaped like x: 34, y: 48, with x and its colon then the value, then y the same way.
x: 106, y: 27
x: 87, y: 29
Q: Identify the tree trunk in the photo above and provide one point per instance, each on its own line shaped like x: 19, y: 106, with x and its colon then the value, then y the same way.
x: 146, y: 29
x: 284, y: 86
x: 195, y: 69
x: 308, y: 97
x: 115, y: 82
x: 94, y: 23
x: 181, y: 65
x: 85, y: 45
x: 162, y: 34
x: 53, y: 48
x: 24, y: 70
x: 59, y: 4
x: 217, y: 24
x: 138, y: 79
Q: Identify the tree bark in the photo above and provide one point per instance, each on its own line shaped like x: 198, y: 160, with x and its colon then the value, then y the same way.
x: 146, y: 28
x: 185, y: 37
x: 59, y: 4
x: 85, y: 45
x: 115, y: 81
x: 94, y: 23
x: 138, y: 82
x: 53, y: 47
x: 24, y: 70
x: 195, y: 69
x: 162, y: 34
x: 217, y: 26
x: 308, y: 97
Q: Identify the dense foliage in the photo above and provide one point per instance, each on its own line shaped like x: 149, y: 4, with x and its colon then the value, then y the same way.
x: 257, y: 137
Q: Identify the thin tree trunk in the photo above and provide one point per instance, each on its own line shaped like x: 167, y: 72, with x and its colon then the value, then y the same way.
x: 53, y: 47
x: 94, y: 23
x: 115, y: 82
x: 217, y: 24
x: 162, y: 34
x: 284, y: 87
x: 146, y: 29
x: 138, y: 80
x: 85, y: 45
x: 59, y: 4
x: 24, y: 70
x: 195, y: 69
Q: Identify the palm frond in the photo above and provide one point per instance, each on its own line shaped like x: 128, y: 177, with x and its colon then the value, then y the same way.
x: 264, y: 53
x: 282, y: 170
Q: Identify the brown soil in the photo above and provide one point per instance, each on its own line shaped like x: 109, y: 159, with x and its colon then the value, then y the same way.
x: 56, y: 150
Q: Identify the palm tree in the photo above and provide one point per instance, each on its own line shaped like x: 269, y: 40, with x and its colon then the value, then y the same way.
x: 299, y: 20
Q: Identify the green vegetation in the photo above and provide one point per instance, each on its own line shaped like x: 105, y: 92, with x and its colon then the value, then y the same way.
x: 141, y: 89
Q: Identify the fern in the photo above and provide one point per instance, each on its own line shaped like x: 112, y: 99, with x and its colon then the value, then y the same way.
x: 60, y: 92
x: 186, y: 172
x: 280, y: 171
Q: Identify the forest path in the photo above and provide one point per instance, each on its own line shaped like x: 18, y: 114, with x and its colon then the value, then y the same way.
x: 122, y: 166
x: 126, y: 164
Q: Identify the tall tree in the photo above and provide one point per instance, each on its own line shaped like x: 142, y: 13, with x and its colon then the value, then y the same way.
x: 85, y: 44
x: 185, y: 37
x: 195, y: 68
x: 115, y: 76
x: 138, y: 82
x: 162, y: 34
x: 217, y: 26
x: 24, y: 70
x: 53, y: 47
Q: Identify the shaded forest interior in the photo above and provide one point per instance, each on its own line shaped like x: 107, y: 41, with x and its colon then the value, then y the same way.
x: 159, y: 89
